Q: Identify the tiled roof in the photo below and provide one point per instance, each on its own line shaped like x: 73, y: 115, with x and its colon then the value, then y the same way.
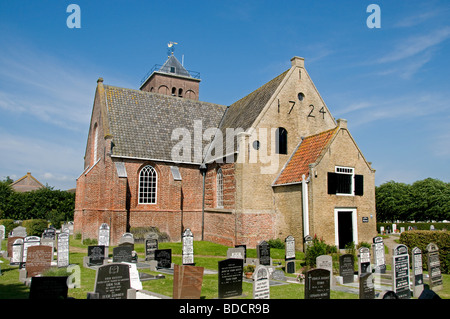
x: 141, y: 123
x: 243, y: 113
x: 306, y: 153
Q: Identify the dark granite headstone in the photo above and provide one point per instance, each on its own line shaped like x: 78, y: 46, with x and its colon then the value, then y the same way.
x: 230, y: 277
x: 164, y: 258
x: 366, y: 286
x: 151, y: 244
x: 263, y: 251
x: 317, y: 284
x: 96, y: 255
x: 112, y: 281
x: 364, y: 261
x: 400, y: 267
x: 187, y: 282
x: 122, y: 254
x: 49, y: 287
x: 434, y: 267
x: 49, y: 233
x: 289, y: 256
x: 346, y: 268
x: 429, y: 294
x: 417, y: 268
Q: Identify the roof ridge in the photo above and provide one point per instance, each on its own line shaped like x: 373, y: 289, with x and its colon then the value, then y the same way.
x: 162, y: 95
x: 260, y: 88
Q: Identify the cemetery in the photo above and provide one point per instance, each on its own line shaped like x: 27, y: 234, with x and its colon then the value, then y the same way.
x: 59, y: 265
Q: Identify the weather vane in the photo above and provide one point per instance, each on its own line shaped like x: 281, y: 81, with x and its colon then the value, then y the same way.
x: 171, y: 48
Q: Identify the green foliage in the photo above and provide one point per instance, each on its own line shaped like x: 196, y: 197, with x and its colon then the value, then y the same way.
x: 89, y: 241
x: 9, y: 225
x: 276, y: 243
x: 35, y: 227
x: 424, y: 200
x: 38, y: 204
x: 421, y: 238
x: 317, y: 248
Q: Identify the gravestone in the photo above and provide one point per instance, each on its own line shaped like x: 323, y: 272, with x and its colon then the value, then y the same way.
x: 317, y: 284
x: 151, y: 244
x: 112, y: 281
x: 54, y: 287
x: 103, y: 235
x: 364, y: 261
x: 245, y: 249
x: 188, y: 247
x: 29, y: 241
x: 346, y: 268
x: 39, y: 259
x: 400, y: 269
x: 230, y: 278
x: 308, y: 241
x: 238, y: 253
x: 261, y: 289
x: 163, y: 258
x: 187, y: 282
x: 289, y: 255
x: 19, y: 231
x: 434, y: 267
x: 366, y: 286
x: 263, y: 252
x: 127, y: 239
x: 135, y: 279
x: 63, y: 250
x: 10, y: 244
x: 277, y: 274
x: 417, y: 271
x: 379, y: 255
x: 49, y: 242
x: 326, y: 262
x: 2, y: 231
x: 49, y: 233
x: 96, y: 255
x: 122, y: 254
x: 17, y: 252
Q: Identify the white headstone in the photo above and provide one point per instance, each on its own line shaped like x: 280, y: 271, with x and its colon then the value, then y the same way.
x: 261, y: 289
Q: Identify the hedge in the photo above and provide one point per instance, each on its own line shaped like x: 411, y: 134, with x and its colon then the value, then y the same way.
x: 419, y: 226
x: 35, y: 227
x: 421, y: 238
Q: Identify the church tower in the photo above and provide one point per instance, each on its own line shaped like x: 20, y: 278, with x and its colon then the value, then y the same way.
x: 172, y: 79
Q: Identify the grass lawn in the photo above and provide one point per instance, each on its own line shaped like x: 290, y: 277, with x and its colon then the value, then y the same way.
x: 206, y: 255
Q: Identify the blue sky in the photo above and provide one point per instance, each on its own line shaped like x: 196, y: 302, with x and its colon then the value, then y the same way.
x: 390, y: 83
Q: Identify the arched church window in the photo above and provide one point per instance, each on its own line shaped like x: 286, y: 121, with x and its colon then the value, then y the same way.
x: 148, y: 182
x: 219, y: 188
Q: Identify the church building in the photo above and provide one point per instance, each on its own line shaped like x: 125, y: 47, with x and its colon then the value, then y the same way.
x: 274, y: 163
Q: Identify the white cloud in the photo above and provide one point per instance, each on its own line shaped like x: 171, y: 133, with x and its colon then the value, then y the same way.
x: 416, y: 44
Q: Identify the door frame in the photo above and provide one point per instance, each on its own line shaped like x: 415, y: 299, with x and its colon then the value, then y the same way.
x: 354, y: 213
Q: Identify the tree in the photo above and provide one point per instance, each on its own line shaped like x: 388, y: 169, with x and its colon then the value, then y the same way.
x: 424, y: 200
x: 431, y: 200
x: 393, y: 201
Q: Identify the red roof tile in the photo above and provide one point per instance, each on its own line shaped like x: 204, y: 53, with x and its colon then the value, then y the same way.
x: 307, y: 153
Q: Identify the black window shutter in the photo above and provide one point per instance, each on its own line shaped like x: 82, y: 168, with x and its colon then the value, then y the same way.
x: 332, y: 183
x: 359, y: 185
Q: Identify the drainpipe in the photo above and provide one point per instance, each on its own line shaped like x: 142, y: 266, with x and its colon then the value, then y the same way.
x: 203, y: 171
x: 305, y: 207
